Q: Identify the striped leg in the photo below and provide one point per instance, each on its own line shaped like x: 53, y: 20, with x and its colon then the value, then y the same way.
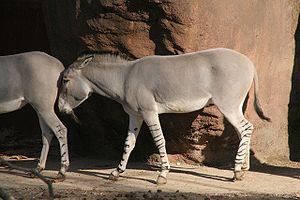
x: 247, y: 129
x: 244, y: 129
x: 60, y: 132
x: 135, y: 124
x: 152, y: 122
x: 242, y: 160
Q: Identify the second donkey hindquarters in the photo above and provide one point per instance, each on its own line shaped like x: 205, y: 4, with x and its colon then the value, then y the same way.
x: 34, y: 77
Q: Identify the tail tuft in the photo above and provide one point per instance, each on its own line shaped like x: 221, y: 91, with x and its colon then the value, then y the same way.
x: 259, y: 110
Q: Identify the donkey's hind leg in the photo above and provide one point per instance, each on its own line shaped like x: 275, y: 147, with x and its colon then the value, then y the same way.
x: 244, y: 129
x: 247, y: 129
x: 152, y: 121
x: 242, y: 160
x: 135, y: 123
x: 47, y: 136
x: 60, y: 132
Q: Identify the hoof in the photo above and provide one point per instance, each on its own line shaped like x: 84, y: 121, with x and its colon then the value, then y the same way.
x: 59, y: 178
x: 245, y: 167
x: 113, y: 177
x: 161, y: 180
x: 239, y: 175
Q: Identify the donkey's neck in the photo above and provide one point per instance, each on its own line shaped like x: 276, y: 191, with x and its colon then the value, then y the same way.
x: 108, y: 79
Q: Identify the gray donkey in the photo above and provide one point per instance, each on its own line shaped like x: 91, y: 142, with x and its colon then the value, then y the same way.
x: 33, y: 78
x: 152, y: 85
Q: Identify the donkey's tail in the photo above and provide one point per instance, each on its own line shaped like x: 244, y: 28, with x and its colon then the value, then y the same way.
x: 257, y: 105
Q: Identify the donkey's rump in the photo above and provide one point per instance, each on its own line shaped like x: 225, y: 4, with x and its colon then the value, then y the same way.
x: 32, y: 77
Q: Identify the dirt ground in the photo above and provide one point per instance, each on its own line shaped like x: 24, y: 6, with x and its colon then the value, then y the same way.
x: 88, y: 179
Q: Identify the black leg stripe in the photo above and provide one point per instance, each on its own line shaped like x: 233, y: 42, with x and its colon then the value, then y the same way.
x: 238, y: 162
x: 160, y: 143
x: 154, y: 130
x: 245, y: 124
x: 152, y: 125
x: 247, y: 135
x: 244, y: 143
x: 244, y: 149
x: 248, y: 128
x: 156, y: 141
x: 160, y: 147
x: 241, y: 152
x: 156, y: 136
x: 239, y: 159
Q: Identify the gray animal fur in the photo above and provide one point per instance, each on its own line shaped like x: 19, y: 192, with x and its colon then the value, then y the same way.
x: 167, y: 84
x: 33, y: 78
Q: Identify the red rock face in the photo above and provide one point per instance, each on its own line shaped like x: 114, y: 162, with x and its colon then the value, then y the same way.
x: 262, y: 30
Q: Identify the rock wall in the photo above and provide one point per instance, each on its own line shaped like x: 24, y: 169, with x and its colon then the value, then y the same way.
x: 263, y: 30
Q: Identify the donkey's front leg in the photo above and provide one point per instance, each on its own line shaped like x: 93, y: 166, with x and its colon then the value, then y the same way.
x: 153, y: 124
x: 135, y: 123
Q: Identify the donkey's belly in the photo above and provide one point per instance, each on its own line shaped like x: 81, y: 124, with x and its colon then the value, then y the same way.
x: 9, y: 106
x: 182, y: 106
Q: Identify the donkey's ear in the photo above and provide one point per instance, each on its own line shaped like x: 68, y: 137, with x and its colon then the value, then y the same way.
x: 85, y: 62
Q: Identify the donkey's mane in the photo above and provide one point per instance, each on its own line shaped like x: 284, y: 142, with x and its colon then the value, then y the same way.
x: 105, y: 58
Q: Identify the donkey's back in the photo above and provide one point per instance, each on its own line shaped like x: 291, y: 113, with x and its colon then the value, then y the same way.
x: 185, y: 83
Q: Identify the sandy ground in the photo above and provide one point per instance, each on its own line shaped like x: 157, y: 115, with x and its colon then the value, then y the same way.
x: 88, y: 179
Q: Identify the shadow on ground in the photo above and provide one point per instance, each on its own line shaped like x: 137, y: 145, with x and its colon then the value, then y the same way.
x: 81, y: 165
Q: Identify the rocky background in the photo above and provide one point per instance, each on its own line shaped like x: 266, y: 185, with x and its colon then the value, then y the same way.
x: 264, y: 30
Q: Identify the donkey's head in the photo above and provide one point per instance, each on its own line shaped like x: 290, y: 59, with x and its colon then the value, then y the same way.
x: 75, y: 87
